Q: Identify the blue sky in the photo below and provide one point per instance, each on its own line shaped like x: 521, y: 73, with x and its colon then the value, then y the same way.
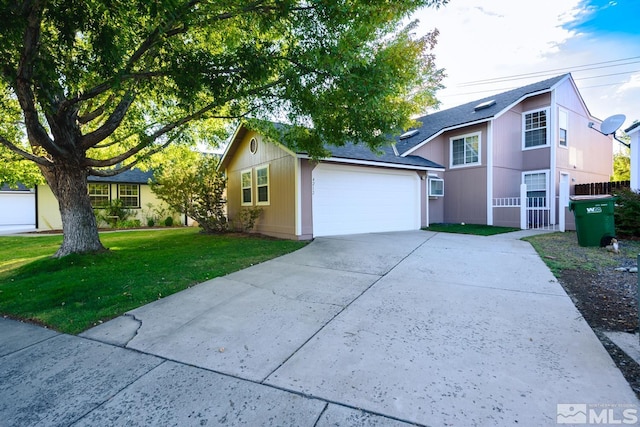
x: 490, y: 46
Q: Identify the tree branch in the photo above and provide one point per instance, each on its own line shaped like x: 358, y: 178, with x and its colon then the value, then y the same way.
x: 93, y: 138
x: 37, y: 159
x: 35, y: 131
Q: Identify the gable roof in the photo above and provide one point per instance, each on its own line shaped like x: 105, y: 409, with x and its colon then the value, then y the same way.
x: 131, y: 176
x: 349, y: 153
x: 472, y: 112
x: 357, y: 153
x: 19, y: 187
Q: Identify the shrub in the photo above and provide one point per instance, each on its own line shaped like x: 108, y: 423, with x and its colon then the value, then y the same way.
x: 248, y: 217
x: 129, y: 223
x: 627, y: 213
x: 113, y: 213
x: 168, y: 221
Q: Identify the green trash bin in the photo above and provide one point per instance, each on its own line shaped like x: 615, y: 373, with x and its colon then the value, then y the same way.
x: 594, y: 218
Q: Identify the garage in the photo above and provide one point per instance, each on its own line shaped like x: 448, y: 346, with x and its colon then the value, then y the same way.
x: 354, y: 199
x: 17, y: 210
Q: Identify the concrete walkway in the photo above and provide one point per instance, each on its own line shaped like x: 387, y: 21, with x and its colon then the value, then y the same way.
x: 379, y: 329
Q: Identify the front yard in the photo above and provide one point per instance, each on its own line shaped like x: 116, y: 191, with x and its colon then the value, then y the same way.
x: 77, y: 292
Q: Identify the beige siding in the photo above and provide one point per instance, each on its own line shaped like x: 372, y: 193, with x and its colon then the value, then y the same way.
x: 279, y: 216
x: 49, y: 212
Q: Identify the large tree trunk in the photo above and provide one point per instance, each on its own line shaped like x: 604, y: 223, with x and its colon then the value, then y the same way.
x: 79, y: 225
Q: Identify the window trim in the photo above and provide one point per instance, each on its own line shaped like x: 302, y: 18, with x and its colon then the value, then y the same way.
x: 435, y: 179
x: 137, y: 196
x: 464, y: 137
x: 93, y: 196
x: 243, y: 187
x: 268, y: 185
x: 524, y: 129
x: 562, y: 112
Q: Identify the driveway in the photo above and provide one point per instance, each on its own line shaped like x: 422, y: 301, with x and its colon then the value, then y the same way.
x: 375, y: 329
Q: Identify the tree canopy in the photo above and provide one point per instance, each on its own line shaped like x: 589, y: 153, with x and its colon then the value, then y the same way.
x: 95, y: 87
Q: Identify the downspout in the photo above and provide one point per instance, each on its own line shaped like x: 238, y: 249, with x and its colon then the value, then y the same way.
x: 490, y: 172
x: 36, y: 206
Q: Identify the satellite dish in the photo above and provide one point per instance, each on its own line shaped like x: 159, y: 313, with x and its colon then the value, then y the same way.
x: 612, y: 124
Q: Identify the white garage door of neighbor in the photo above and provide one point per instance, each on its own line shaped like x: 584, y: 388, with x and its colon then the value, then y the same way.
x: 17, y: 210
x: 351, y: 200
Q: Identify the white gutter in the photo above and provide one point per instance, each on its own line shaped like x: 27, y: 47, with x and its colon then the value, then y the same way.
x: 373, y: 163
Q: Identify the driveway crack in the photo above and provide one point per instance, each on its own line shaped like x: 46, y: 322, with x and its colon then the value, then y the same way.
x: 135, y: 332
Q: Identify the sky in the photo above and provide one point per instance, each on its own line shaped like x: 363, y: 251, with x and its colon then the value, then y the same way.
x: 490, y: 46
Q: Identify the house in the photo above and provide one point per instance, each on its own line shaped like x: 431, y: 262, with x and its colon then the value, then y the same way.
x: 17, y: 208
x: 508, y: 159
x: 634, y: 132
x: 132, y: 187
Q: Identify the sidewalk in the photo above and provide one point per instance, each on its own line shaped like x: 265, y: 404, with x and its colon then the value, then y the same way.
x: 413, y: 328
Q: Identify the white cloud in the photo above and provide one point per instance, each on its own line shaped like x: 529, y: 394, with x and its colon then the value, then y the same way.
x: 490, y: 39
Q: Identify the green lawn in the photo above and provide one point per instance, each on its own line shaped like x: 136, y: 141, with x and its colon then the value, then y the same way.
x: 76, y: 292
x: 477, y: 229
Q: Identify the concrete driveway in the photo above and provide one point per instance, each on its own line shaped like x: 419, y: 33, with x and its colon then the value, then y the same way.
x: 377, y: 329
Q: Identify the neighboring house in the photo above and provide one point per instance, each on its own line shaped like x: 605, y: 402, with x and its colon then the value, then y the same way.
x: 132, y: 187
x: 634, y: 133
x: 480, y: 152
x: 17, y: 208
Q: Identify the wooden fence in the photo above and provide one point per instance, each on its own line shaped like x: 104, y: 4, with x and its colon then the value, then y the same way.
x: 600, y: 188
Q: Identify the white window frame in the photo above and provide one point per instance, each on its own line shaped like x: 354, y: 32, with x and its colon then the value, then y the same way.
x: 259, y: 185
x: 129, y: 196
x: 243, y: 187
x: 93, y: 196
x: 464, y: 137
x: 439, y: 192
x: 547, y: 193
x: 563, y: 124
x: 546, y: 128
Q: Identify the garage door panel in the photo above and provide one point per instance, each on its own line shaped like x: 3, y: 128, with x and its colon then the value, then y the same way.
x: 17, y: 209
x: 349, y: 200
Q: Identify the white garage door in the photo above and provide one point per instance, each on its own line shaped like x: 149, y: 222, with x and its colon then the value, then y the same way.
x: 351, y: 200
x: 17, y: 210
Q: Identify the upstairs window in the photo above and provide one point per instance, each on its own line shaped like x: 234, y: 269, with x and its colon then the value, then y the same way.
x: 465, y: 150
x: 129, y: 194
x: 563, y: 123
x: 246, y: 181
x: 535, y: 129
x: 98, y: 194
x: 262, y: 185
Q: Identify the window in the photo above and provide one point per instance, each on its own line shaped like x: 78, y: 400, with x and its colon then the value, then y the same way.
x: 563, y: 122
x: 246, y: 178
x: 465, y: 150
x: 262, y: 185
x: 536, y: 189
x: 129, y: 194
x: 98, y: 194
x: 436, y: 186
x: 535, y: 129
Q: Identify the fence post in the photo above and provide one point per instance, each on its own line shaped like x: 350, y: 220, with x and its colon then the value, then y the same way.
x: 524, y: 224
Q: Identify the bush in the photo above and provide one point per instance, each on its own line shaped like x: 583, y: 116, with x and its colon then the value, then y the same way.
x: 248, y: 217
x: 168, y: 221
x: 627, y: 213
x: 113, y: 213
x: 129, y: 223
